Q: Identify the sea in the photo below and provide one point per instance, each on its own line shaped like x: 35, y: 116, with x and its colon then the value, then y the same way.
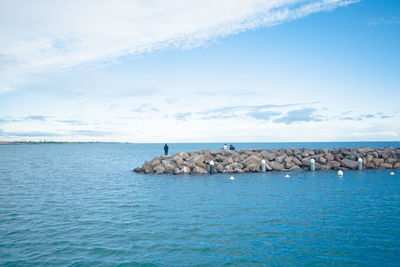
x: 82, y: 205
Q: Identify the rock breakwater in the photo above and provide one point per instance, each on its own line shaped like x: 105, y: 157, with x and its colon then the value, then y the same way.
x: 291, y: 159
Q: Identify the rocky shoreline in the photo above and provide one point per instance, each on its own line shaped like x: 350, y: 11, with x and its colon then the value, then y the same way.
x: 291, y: 159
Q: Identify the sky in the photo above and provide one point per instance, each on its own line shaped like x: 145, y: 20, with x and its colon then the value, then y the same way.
x: 200, y: 71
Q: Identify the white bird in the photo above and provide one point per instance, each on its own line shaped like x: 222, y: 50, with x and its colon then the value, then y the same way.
x: 287, y: 176
x: 232, y: 178
x: 340, y: 173
x: 392, y: 173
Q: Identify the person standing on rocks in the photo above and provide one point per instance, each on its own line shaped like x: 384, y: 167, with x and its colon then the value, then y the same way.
x: 166, y: 149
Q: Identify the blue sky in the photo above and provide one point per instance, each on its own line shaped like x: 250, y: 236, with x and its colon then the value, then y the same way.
x: 215, y: 71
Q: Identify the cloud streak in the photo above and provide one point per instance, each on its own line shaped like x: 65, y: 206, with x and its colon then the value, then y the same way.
x: 299, y: 115
x: 98, y: 32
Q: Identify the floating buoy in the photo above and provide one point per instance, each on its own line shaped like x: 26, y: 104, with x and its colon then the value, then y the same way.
x: 340, y: 173
x: 392, y: 173
x: 231, y: 178
x: 287, y: 176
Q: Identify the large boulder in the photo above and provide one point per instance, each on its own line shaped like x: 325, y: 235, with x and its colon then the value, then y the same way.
x: 306, y: 161
x: 276, y: 166
x: 295, y: 168
x: 386, y: 166
x: 179, y: 161
x: 169, y: 165
x: 159, y: 169
x: 227, y: 161
x: 219, y: 158
x: 377, y: 162
x: 198, y: 169
x: 209, y: 157
x: 197, y: 159
x: 253, y: 167
x: 351, y: 164
x: 220, y: 168
x: 297, y: 162
x: 155, y: 162
x: 288, y: 165
x: 185, y: 169
x: 138, y: 169
x: 365, y: 149
x: 268, y: 155
x: 252, y: 160
x: 334, y: 164
x: 147, y: 168
x: 183, y: 155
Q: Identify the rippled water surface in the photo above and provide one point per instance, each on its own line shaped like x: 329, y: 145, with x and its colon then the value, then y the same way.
x: 70, y: 204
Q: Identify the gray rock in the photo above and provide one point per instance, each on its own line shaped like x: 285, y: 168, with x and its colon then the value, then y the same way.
x: 252, y: 160
x: 377, y: 162
x: 183, y: 155
x: 295, y: 168
x: 147, y: 168
x: 267, y: 155
x: 254, y: 167
x: 155, y: 162
x: 138, y: 169
x: 366, y: 149
x: 219, y: 158
x: 169, y: 165
x: 351, y: 164
x: 159, y: 169
x: 220, y: 168
x: 334, y: 164
x: 227, y: 161
x: 198, y: 169
x: 196, y: 159
x: 276, y: 166
x: 297, y: 162
x: 386, y: 166
x: 330, y: 157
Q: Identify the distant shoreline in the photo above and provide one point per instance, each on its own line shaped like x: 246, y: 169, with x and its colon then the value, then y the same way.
x: 43, y: 142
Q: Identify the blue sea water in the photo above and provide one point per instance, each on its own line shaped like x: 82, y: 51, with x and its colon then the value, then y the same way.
x: 81, y: 204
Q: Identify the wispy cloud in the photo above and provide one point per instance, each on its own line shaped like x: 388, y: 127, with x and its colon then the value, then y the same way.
x: 73, y: 122
x: 299, y: 115
x: 34, y: 118
x: 98, y: 32
x: 381, y: 21
x: 349, y: 117
x: 263, y: 115
x: 183, y: 116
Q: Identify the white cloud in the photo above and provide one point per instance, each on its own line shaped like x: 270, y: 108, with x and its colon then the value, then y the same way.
x: 46, y: 35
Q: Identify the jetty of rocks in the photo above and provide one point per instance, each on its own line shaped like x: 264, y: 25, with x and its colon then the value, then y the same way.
x: 290, y: 159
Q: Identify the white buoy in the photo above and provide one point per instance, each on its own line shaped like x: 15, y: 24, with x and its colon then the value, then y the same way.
x: 360, y: 164
x: 392, y: 173
x: 340, y: 173
x: 312, y: 165
x: 287, y: 176
x: 263, y: 162
x: 231, y: 178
